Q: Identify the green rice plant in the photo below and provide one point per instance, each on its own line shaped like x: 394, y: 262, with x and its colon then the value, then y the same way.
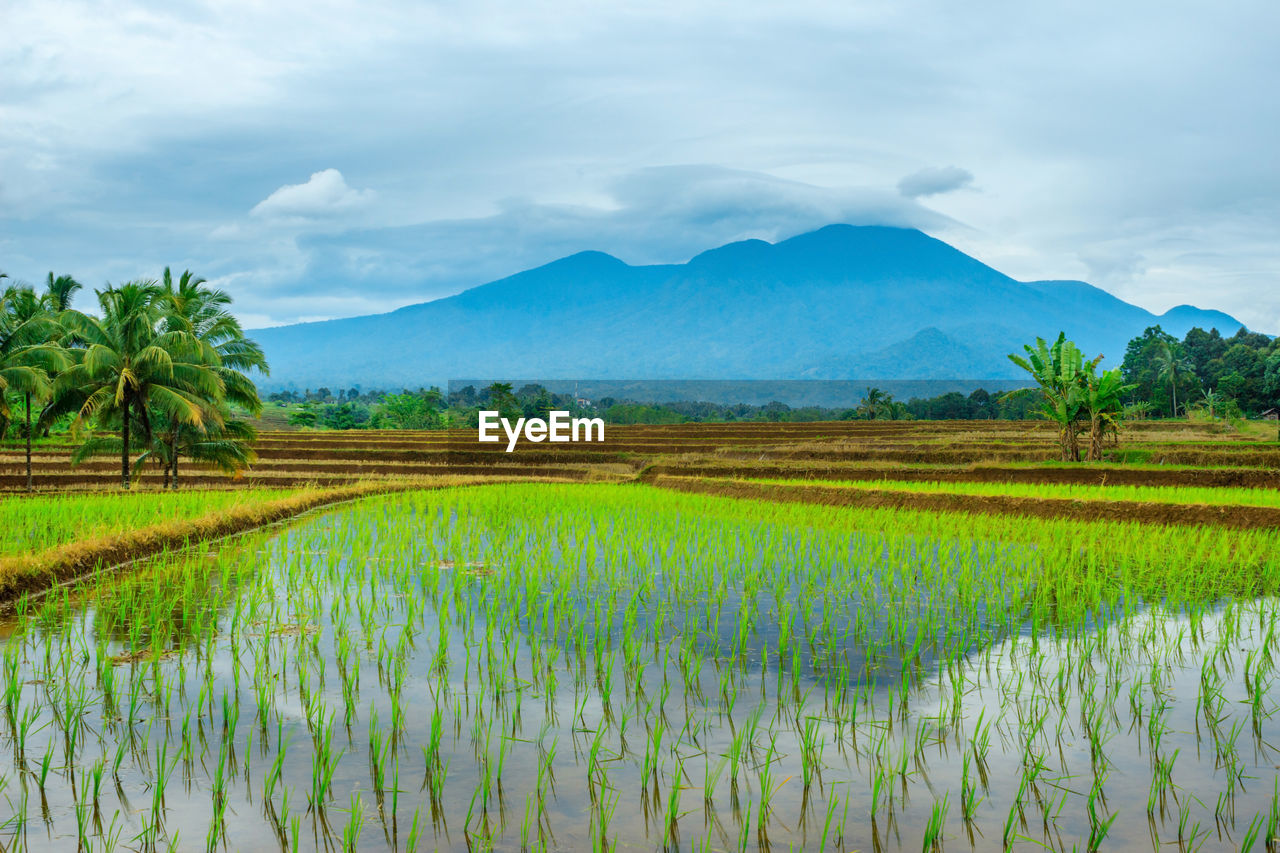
x: 937, y: 822
x: 355, y: 825
x: 779, y: 640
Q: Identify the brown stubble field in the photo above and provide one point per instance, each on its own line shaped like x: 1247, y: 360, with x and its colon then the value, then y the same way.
x: 1155, y: 453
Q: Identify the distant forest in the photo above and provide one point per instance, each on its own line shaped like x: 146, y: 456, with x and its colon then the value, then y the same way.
x: 1203, y: 375
x: 430, y: 408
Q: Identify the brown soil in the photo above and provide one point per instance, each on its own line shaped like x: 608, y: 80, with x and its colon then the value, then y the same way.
x: 749, y: 450
x: 1240, y: 517
x: 1220, y: 478
x: 290, y: 477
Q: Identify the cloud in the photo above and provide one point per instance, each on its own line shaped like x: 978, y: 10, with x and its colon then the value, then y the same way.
x: 1109, y: 263
x: 934, y: 180
x: 1159, y: 147
x: 722, y: 204
x: 325, y: 194
x: 653, y: 215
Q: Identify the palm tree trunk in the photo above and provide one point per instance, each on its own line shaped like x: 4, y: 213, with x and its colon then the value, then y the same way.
x: 173, y: 454
x: 1173, y: 384
x: 28, y: 441
x: 124, y: 445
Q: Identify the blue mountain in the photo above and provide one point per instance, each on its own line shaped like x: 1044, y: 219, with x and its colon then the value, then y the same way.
x: 842, y: 302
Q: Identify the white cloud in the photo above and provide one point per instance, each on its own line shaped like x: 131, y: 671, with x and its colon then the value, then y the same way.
x: 325, y: 194
x: 146, y: 130
x: 934, y: 180
x: 651, y: 216
x: 1110, y: 263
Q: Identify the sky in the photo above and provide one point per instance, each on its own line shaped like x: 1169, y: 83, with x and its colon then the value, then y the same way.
x: 330, y: 158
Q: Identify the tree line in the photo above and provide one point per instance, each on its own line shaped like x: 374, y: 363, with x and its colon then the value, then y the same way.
x: 159, y: 373
x: 1237, y: 376
x: 431, y: 408
x: 1206, y: 373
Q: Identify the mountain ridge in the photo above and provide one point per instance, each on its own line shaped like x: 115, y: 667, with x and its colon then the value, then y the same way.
x: 839, y: 302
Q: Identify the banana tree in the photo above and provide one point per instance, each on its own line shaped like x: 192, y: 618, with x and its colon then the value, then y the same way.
x: 1103, y: 406
x: 1059, y: 370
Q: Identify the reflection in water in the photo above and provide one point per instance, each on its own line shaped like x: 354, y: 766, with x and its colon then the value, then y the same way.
x: 438, y: 671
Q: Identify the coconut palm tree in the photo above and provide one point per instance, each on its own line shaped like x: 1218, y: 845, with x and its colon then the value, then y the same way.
x: 133, y: 365
x: 200, y: 311
x: 220, y: 440
x: 224, y: 441
x: 1171, y: 364
x: 58, y: 292
x: 874, y: 403
x: 29, y: 354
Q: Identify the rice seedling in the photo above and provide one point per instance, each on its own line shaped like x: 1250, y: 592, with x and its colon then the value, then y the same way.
x: 590, y: 653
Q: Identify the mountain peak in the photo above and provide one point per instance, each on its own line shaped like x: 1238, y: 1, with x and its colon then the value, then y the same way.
x: 588, y: 260
x: 840, y: 301
x: 733, y: 254
x: 1180, y: 319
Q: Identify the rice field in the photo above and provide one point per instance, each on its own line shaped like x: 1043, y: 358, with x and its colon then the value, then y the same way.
x: 618, y: 666
x: 45, y: 520
x: 1067, y: 491
x: 1155, y: 453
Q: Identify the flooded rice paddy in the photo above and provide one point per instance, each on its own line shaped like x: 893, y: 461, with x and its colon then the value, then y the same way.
x: 585, y: 667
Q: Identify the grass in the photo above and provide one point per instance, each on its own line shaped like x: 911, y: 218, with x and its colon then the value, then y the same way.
x: 224, y: 513
x: 32, y: 524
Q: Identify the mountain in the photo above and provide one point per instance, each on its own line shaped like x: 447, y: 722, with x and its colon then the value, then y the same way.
x: 842, y: 302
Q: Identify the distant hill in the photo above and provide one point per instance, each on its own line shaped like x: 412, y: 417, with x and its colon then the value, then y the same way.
x: 842, y: 302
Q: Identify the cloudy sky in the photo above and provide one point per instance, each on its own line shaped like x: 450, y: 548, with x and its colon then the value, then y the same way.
x: 332, y: 157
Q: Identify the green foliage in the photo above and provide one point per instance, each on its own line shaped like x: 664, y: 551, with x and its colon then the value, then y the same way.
x: 878, y: 405
x: 1103, y: 406
x: 409, y: 411
x: 1242, y: 372
x: 1058, y: 370
x: 29, y: 353
x: 979, y: 405
x: 344, y: 416
x: 161, y: 364
x: 500, y: 396
x: 1074, y: 395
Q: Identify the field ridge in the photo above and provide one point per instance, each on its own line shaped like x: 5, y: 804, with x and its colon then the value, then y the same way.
x: 1236, y: 516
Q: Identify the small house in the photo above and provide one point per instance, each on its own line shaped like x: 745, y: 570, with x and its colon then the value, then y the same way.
x: 1271, y: 415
